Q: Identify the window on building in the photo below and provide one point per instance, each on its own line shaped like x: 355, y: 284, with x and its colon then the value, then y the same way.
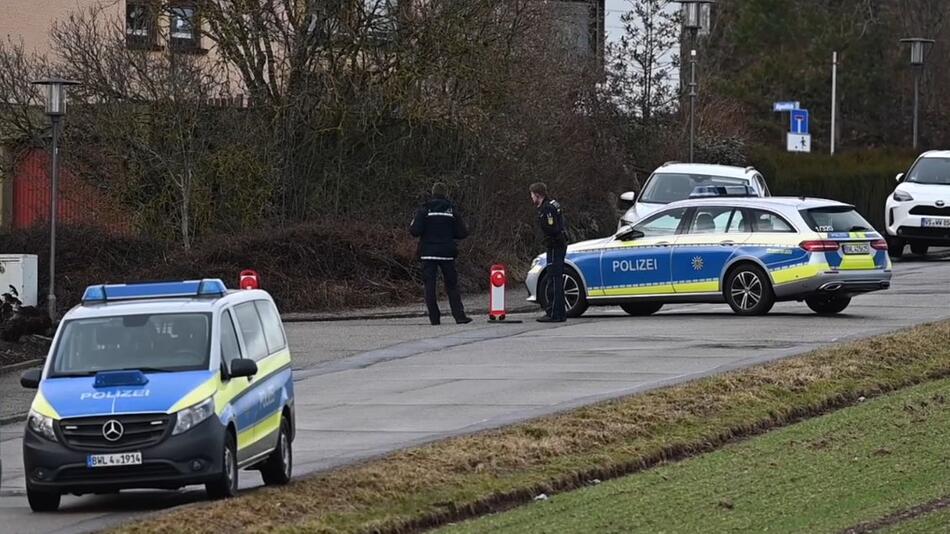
x: 183, y: 27
x: 140, y: 25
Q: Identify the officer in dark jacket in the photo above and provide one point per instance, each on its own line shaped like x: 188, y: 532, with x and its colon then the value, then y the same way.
x: 552, y: 225
x: 438, y: 224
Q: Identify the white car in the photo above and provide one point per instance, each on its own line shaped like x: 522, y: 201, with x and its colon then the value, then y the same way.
x: 918, y: 212
x: 674, y: 181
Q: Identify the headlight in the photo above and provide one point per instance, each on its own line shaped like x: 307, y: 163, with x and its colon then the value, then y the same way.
x: 42, y: 425
x: 902, y: 196
x: 537, y: 262
x: 190, y: 417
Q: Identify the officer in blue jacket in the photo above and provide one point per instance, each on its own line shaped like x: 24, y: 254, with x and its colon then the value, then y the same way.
x: 438, y: 224
x: 551, y: 221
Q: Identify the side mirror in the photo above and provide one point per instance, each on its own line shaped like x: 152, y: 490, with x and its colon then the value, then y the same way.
x: 31, y: 379
x: 627, y: 200
x: 629, y: 233
x: 899, y: 177
x: 243, y: 367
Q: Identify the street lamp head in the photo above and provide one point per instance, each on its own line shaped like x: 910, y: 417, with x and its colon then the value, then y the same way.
x: 55, y: 94
x: 693, y: 19
x: 918, y: 49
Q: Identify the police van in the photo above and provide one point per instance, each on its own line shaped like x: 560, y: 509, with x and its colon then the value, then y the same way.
x: 161, y: 385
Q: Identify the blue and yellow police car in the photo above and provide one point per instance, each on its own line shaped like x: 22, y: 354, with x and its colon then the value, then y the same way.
x: 721, y: 245
x: 161, y: 385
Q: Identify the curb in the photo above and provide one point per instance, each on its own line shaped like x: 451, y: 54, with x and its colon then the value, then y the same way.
x: 11, y: 419
x: 12, y: 368
x: 327, y: 317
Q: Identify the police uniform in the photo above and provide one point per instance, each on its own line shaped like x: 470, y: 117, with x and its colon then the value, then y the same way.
x: 551, y: 220
x: 438, y: 224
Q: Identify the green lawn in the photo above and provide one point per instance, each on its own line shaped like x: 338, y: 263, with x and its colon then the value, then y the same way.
x: 823, y: 475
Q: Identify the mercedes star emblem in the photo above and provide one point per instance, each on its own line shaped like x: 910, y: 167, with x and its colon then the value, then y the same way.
x: 112, y: 430
x: 940, y: 203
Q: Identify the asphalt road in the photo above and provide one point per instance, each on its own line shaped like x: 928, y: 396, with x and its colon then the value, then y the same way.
x: 365, y: 388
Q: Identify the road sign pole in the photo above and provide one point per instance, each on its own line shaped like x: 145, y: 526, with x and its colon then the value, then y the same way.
x: 834, y: 98
x: 692, y: 102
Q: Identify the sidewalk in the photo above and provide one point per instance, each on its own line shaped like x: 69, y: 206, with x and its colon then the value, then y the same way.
x: 475, y: 304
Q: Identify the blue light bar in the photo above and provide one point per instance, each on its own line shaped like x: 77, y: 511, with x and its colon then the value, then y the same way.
x: 713, y: 191
x: 154, y: 290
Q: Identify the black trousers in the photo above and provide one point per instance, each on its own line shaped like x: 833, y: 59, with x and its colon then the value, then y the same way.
x: 430, y: 273
x: 555, y: 257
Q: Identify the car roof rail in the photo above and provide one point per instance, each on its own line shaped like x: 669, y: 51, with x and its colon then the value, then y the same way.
x: 750, y: 168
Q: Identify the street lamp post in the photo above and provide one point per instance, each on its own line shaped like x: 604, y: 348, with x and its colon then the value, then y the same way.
x: 693, y: 21
x: 55, y: 108
x: 918, y: 53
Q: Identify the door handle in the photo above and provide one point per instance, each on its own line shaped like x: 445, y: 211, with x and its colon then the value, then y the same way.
x: 663, y: 244
x: 727, y: 243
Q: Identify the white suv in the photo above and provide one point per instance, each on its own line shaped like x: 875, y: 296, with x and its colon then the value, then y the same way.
x: 918, y: 212
x: 674, y: 181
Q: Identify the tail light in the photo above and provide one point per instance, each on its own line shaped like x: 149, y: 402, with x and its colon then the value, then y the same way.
x: 879, y: 244
x: 820, y: 246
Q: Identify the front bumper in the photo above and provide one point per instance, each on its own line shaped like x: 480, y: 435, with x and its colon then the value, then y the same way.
x: 836, y: 283
x: 909, y: 227
x: 194, y: 457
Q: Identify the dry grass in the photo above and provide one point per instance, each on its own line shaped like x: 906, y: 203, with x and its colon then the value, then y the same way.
x: 472, y: 475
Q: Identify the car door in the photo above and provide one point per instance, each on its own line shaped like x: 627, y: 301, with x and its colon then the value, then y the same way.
x: 235, y: 389
x: 711, y: 238
x: 248, y: 403
x: 641, y: 266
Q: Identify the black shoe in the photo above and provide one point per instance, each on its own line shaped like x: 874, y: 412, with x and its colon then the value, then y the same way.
x: 435, y: 323
x: 463, y: 320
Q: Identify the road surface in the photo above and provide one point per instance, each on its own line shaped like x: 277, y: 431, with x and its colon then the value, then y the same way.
x: 365, y: 388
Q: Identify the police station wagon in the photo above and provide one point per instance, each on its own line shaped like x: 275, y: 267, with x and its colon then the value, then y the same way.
x: 161, y: 385
x: 715, y: 247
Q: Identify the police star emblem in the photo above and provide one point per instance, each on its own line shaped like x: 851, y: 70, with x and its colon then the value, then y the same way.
x: 697, y: 263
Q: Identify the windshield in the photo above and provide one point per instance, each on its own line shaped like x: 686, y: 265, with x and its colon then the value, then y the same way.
x: 664, y: 188
x: 836, y: 219
x: 935, y: 171
x: 150, y: 343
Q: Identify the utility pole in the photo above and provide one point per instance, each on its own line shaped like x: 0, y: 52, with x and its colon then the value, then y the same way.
x: 834, y: 98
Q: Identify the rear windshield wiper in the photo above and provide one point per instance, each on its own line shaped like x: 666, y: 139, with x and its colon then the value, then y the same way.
x: 859, y: 229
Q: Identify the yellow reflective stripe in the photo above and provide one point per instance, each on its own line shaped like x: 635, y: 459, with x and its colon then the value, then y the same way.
x: 43, y: 407
x: 858, y: 235
x: 200, y: 393
x: 697, y: 287
x: 638, y: 290
x: 234, y: 387
x: 261, y: 430
x: 801, y: 272
x: 857, y: 263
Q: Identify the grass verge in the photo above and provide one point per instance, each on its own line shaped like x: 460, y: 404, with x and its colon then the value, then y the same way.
x: 936, y: 521
x: 456, y: 479
x: 826, y: 474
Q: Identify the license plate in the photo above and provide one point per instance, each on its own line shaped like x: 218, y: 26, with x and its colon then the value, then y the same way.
x: 856, y: 248
x: 935, y: 223
x: 113, y: 460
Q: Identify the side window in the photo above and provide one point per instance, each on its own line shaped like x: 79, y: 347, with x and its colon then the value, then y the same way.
x: 739, y: 224
x: 273, y: 332
x: 662, y: 224
x: 710, y: 220
x: 251, y: 330
x: 769, y: 222
x: 230, y: 348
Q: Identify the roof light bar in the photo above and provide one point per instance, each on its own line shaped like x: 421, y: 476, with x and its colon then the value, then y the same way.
x: 154, y: 290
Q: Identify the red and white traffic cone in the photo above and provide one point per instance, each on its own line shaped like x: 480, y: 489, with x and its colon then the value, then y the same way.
x: 499, y: 279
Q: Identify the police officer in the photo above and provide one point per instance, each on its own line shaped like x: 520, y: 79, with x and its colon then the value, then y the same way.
x: 437, y: 224
x: 551, y: 221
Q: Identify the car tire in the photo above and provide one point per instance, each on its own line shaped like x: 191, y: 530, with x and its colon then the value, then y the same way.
x: 828, y: 305
x: 920, y: 250
x: 895, y: 247
x: 748, y: 290
x: 226, y: 485
x: 42, y: 501
x: 278, y: 468
x: 575, y: 295
x: 641, y: 309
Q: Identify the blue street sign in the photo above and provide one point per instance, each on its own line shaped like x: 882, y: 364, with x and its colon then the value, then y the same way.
x: 785, y: 106
x: 799, y: 122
